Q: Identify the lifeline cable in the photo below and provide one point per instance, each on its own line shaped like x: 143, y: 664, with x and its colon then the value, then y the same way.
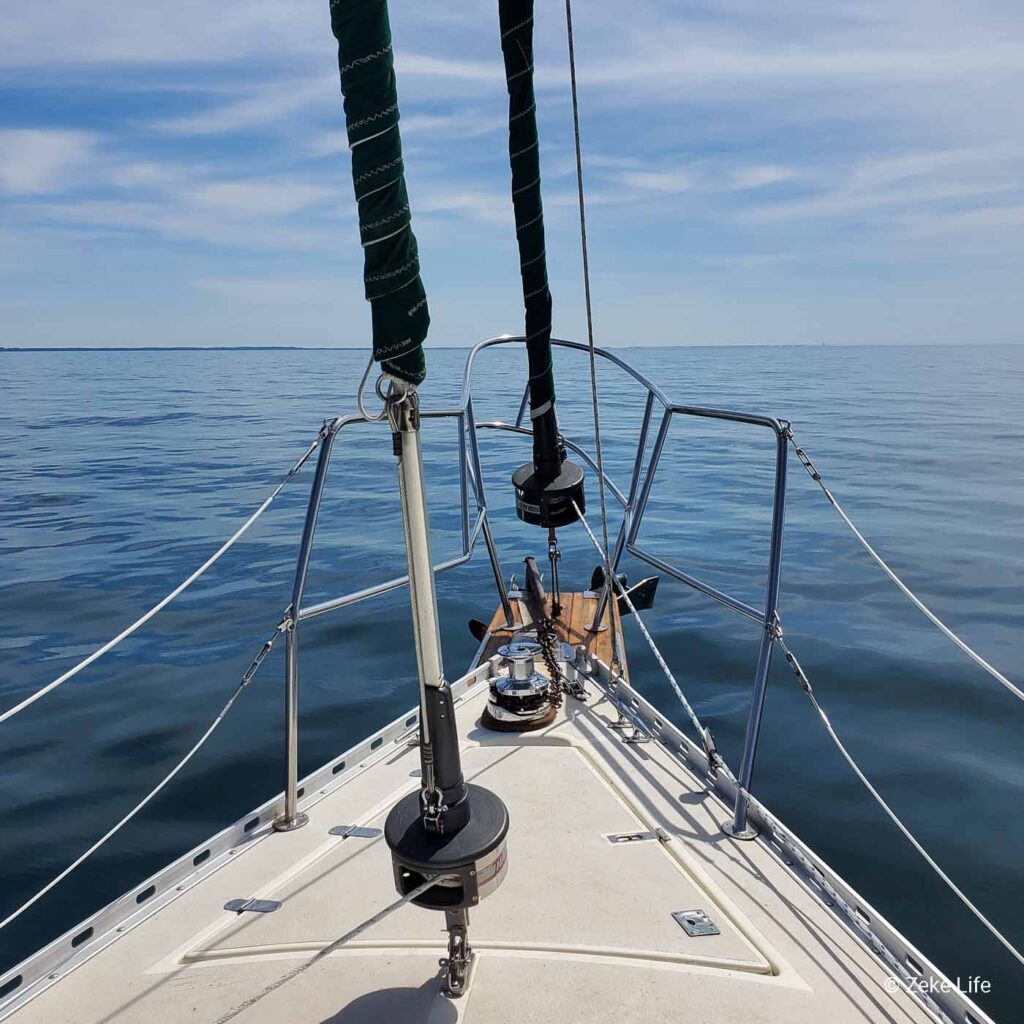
x: 805, y: 685
x: 812, y: 471
x: 236, y: 693
x: 184, y: 585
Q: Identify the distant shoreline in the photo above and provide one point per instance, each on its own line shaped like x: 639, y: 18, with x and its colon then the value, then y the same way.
x: 165, y: 348
x: 362, y: 348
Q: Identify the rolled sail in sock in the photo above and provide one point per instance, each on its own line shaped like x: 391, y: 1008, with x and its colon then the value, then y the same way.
x: 391, y: 271
x: 545, y: 490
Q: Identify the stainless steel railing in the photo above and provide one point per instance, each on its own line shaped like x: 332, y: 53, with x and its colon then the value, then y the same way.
x: 633, y: 503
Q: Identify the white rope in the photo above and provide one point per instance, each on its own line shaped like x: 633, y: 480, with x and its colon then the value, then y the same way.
x: 326, y: 951
x: 806, y: 686
x: 246, y: 679
x: 687, y: 706
x: 921, y: 606
x: 164, y: 602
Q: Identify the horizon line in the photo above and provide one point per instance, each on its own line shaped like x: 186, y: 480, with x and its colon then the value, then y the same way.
x: 361, y: 348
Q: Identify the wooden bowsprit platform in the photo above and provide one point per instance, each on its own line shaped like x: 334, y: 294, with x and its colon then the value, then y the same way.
x: 578, y: 611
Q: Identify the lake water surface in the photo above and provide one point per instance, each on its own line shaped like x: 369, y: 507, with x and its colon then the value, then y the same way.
x: 121, y: 471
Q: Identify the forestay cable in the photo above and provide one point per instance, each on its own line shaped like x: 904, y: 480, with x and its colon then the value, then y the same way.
x: 179, y: 589
x: 805, y: 684
x: 606, y: 552
x: 246, y: 679
x: 812, y: 470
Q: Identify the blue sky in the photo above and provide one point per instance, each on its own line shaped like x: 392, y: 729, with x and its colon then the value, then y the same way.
x: 797, y: 172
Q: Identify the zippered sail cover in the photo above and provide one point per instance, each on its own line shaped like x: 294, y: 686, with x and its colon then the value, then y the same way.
x: 516, y: 20
x: 391, y: 267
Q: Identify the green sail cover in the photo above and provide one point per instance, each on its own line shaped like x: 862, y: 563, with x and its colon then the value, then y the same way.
x: 391, y: 269
x: 516, y: 19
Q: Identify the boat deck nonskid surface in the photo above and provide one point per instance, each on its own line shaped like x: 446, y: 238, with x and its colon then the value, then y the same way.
x: 580, y: 930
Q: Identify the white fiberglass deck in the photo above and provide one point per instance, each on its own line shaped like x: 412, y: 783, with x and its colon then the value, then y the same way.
x: 580, y: 930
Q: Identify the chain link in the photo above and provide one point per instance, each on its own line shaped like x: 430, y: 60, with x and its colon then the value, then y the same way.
x: 547, y: 637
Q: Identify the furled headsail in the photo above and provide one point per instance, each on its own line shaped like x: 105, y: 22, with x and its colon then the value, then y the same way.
x: 391, y: 271
x: 447, y: 840
x: 545, y: 490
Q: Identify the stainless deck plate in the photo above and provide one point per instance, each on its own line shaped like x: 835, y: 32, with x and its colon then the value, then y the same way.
x: 695, y: 922
x: 630, y: 837
x: 355, y: 832
x: 252, y: 905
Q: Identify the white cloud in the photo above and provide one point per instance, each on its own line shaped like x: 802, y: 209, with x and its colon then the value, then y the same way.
x: 455, y: 125
x: 837, y: 136
x: 146, y: 174
x: 430, y: 66
x: 262, y: 198
x: 42, y: 160
x: 660, y: 181
x: 761, y: 176
x: 491, y: 207
x: 963, y: 160
x: 983, y: 218
x: 176, y: 218
x: 264, y: 106
x: 277, y: 289
x: 706, y: 176
x: 759, y: 68
x: 64, y: 32
x: 904, y: 182
x: 845, y: 203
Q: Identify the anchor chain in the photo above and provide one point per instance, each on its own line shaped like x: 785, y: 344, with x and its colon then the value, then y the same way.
x: 547, y: 637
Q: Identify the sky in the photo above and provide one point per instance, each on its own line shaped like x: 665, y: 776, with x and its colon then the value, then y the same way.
x: 785, y: 173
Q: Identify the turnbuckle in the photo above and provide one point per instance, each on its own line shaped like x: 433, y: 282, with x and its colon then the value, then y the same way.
x: 807, y: 463
x: 460, y: 955
x: 554, y: 556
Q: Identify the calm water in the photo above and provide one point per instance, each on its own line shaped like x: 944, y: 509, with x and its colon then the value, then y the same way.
x: 122, y: 471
